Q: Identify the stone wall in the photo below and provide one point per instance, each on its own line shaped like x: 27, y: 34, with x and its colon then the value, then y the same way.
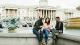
x: 19, y: 39
x: 68, y: 40
x: 30, y: 39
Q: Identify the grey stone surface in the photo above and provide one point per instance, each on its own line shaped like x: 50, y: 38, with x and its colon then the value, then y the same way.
x: 68, y: 40
x: 70, y: 37
x: 30, y: 39
x: 20, y: 39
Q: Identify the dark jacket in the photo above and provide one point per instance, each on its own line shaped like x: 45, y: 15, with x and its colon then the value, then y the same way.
x: 59, y: 26
x: 37, y: 24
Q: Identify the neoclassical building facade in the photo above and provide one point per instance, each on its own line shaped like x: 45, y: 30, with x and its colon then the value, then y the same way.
x: 11, y: 10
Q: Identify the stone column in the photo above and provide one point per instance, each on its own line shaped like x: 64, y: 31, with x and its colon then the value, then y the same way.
x: 40, y: 11
x: 37, y: 13
x: 46, y: 14
x: 51, y: 14
x: 43, y: 14
x: 54, y: 14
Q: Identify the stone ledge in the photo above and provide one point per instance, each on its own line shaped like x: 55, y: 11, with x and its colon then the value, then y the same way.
x: 31, y: 35
x: 19, y: 39
x: 18, y: 35
x: 70, y: 37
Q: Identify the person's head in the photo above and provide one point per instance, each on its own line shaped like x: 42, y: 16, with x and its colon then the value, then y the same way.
x: 47, y: 20
x: 58, y: 19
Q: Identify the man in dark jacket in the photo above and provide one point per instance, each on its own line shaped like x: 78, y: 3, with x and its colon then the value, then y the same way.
x: 59, y: 25
x: 58, y: 30
x: 37, y: 30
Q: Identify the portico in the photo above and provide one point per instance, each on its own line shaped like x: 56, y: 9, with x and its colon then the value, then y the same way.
x: 46, y: 12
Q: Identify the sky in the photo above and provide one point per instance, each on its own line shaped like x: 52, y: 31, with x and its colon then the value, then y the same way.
x: 60, y: 3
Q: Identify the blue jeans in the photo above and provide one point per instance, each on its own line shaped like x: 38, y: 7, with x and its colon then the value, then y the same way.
x: 39, y: 35
x: 46, y: 32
